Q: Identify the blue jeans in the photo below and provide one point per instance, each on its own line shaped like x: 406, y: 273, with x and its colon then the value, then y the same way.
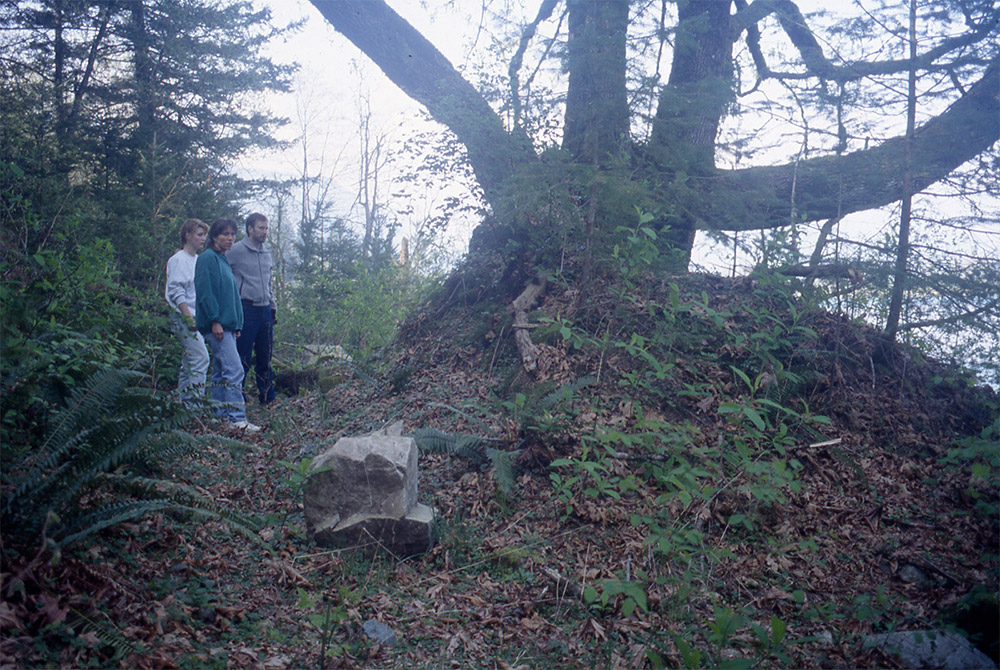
x: 227, y: 378
x: 255, y: 345
x: 194, y: 363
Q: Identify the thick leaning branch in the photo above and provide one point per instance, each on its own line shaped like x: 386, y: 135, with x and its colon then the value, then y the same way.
x: 424, y: 74
x: 829, y: 186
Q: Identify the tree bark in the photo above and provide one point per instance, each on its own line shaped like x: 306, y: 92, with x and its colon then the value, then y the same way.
x: 903, y: 243
x: 597, y: 114
x: 692, y: 103
x: 688, y: 115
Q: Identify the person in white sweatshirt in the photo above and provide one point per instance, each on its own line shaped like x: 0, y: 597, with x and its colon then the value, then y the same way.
x: 180, y: 295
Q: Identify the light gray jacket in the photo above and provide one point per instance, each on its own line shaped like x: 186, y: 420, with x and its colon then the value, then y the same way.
x: 252, y: 269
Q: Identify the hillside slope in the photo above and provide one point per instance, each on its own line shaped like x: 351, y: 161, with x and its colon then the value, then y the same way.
x: 699, y: 472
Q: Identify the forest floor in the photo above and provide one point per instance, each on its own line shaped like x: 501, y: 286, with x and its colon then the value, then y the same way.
x: 871, y: 524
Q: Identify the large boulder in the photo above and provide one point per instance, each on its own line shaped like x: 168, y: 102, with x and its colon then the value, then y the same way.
x: 919, y: 649
x: 363, y: 494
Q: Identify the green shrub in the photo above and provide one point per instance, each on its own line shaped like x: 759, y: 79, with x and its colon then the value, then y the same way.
x: 94, y: 468
x: 64, y: 316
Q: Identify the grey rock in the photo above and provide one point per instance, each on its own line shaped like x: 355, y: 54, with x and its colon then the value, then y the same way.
x: 362, y: 495
x: 374, y: 475
x: 379, y: 632
x: 368, y: 533
x: 394, y: 429
x: 915, y: 576
x: 921, y: 649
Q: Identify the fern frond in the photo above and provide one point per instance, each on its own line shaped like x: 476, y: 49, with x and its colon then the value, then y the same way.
x: 108, y: 425
x: 472, y: 448
x: 503, y: 469
x: 106, y: 632
x: 110, y: 515
x: 565, y: 392
x: 465, y: 415
x: 75, y: 425
x: 89, y: 403
x: 171, y: 443
x: 194, y: 506
x: 435, y: 441
x: 235, y: 446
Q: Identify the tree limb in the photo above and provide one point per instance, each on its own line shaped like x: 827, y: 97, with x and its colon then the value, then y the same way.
x: 544, y: 12
x: 753, y: 38
x: 993, y: 304
x: 831, y: 186
x: 818, y: 65
x: 828, y: 271
x: 424, y: 74
x: 519, y: 308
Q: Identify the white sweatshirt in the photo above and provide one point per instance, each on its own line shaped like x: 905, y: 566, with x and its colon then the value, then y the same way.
x: 180, y: 280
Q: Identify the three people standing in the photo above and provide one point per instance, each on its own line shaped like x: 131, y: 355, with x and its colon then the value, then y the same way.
x: 219, y: 318
x: 251, y: 264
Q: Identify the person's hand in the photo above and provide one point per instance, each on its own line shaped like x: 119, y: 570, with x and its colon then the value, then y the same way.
x: 274, y: 317
x: 237, y: 333
x: 217, y: 330
x: 190, y: 322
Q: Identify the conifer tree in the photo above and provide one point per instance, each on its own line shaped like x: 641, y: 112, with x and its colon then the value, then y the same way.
x: 136, y: 110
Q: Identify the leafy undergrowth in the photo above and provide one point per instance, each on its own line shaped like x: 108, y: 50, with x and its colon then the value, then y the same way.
x: 696, y: 476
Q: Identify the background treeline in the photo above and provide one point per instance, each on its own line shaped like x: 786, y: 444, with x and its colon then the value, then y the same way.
x: 118, y: 121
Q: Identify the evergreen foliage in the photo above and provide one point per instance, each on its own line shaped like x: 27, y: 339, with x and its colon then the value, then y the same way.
x: 473, y: 449
x: 121, y: 119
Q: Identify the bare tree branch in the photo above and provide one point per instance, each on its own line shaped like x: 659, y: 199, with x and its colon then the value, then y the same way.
x: 544, y: 12
x: 932, y: 323
x: 818, y: 65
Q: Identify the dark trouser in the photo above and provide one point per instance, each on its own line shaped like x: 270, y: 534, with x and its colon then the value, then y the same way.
x: 257, y: 341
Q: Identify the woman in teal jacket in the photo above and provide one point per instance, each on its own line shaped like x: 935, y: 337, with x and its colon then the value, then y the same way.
x: 219, y: 317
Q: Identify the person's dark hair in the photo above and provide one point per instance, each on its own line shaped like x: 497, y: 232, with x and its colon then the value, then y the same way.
x: 253, y: 219
x: 189, y: 227
x: 220, y: 226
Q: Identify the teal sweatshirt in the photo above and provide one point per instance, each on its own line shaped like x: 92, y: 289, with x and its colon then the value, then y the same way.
x: 218, y: 297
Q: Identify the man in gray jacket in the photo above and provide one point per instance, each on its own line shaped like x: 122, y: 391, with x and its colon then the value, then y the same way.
x: 251, y: 263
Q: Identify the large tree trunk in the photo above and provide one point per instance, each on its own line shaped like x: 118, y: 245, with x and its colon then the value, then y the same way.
x: 692, y: 103
x: 687, y: 123
x: 597, y: 114
x: 688, y: 115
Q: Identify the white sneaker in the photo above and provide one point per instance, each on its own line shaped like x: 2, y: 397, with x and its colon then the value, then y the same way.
x: 246, y: 426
